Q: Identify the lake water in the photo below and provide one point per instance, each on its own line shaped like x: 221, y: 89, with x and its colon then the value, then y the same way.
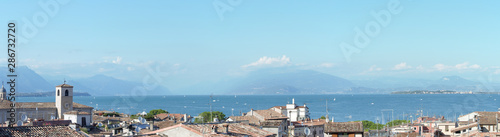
x: 341, y: 107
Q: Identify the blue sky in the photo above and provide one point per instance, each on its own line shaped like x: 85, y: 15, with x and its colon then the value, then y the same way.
x: 191, y: 41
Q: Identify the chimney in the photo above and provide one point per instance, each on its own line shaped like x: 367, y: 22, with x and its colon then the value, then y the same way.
x: 293, y: 100
x: 251, y: 112
x: 333, y: 118
x: 152, y: 126
x: 214, y: 129
x: 226, y: 128
x: 185, y: 117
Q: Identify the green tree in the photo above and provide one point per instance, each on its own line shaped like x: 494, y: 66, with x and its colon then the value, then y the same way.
x: 207, y: 117
x: 397, y: 122
x: 134, y: 116
x: 322, y: 117
x: 369, y: 125
x: 157, y: 111
x: 149, y: 116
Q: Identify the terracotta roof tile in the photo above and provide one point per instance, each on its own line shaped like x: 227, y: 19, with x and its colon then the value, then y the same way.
x: 488, y: 118
x: 65, y: 86
x: 39, y: 131
x: 235, y: 129
x: 101, y: 119
x: 165, y: 124
x: 314, y: 122
x: 270, y: 114
x: 165, y: 116
x: 78, y: 105
x: 77, y: 113
x: 251, y: 119
x: 271, y: 123
x: 4, y: 104
x: 464, y: 127
x: 343, y: 127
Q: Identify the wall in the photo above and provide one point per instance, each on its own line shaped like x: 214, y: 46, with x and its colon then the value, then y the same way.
x: 78, y: 119
x: 179, y: 132
x: 44, y: 113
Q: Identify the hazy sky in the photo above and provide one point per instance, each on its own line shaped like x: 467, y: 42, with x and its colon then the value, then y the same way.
x: 207, y: 40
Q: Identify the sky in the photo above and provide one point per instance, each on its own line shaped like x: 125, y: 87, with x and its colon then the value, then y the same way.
x: 200, y: 41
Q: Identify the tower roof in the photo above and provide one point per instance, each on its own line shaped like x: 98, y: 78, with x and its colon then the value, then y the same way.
x: 65, y: 86
x: 3, y: 89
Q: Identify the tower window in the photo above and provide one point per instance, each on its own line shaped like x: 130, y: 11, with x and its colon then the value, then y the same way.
x: 58, y: 92
x: 66, y: 93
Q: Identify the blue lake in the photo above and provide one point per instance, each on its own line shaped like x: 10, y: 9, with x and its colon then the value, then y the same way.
x: 341, y: 107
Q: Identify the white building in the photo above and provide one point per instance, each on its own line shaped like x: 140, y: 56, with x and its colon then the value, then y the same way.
x: 46, y: 110
x: 268, y: 120
x: 476, y: 122
x: 308, y: 128
x: 79, y: 117
x: 292, y: 111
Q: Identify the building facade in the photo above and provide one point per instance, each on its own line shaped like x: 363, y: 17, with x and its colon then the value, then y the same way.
x: 45, y: 110
x: 344, y: 129
x: 292, y: 111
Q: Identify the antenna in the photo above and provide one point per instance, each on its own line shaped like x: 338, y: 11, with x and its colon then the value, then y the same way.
x: 326, y: 108
x: 210, y: 103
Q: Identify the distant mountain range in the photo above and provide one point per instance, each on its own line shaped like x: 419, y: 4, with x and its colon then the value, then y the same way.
x: 100, y: 85
x: 277, y: 81
x: 264, y: 81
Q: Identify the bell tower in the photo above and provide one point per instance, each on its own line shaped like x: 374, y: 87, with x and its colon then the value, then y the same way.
x: 64, y: 99
x: 3, y: 93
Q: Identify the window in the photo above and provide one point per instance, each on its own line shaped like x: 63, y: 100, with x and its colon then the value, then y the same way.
x: 66, y: 93
x: 58, y: 92
x: 446, y: 128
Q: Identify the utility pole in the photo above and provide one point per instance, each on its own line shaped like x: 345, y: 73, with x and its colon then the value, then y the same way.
x: 326, y: 109
x: 210, y: 103
x: 378, y: 130
x: 391, y: 119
